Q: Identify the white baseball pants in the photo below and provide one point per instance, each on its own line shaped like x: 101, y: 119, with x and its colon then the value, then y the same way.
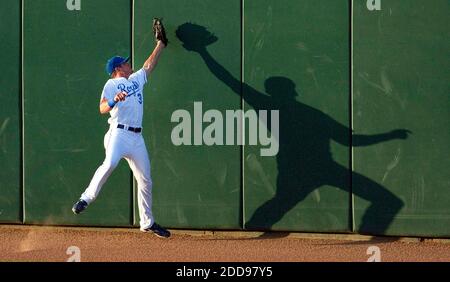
x: 121, y: 143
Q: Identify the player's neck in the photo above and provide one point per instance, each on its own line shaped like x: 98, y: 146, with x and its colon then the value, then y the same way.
x: 119, y: 75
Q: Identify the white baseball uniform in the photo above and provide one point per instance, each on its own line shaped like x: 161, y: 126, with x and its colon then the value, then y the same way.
x: 122, y: 143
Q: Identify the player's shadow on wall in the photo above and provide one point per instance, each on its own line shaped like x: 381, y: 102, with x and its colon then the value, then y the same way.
x: 304, y: 159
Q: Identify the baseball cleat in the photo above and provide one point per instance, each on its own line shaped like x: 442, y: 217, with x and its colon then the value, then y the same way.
x: 158, y: 231
x: 79, y: 206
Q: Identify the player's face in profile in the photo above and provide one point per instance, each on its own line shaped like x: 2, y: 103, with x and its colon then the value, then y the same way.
x: 126, y: 68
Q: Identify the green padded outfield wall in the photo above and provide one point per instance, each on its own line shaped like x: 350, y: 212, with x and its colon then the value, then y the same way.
x: 10, y: 194
x: 401, y: 68
x: 296, y: 60
x: 65, y: 52
x: 194, y: 186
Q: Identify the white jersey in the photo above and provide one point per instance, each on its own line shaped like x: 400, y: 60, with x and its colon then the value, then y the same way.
x: 130, y: 111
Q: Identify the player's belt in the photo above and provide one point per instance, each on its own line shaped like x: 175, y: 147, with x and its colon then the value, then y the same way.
x: 134, y: 129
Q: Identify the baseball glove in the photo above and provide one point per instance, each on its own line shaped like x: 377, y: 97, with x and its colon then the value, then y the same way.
x: 159, y: 31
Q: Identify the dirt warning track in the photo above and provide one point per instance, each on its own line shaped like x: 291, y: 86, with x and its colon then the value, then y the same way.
x: 59, y: 244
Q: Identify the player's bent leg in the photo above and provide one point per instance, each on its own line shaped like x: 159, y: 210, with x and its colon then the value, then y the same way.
x: 91, y: 192
x: 99, y: 179
x: 114, y: 152
x: 96, y: 184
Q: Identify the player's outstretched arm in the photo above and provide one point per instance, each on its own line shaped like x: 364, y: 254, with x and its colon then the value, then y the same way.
x: 196, y: 38
x: 152, y: 60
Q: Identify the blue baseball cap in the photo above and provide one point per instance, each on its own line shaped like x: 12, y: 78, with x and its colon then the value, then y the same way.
x: 114, y: 62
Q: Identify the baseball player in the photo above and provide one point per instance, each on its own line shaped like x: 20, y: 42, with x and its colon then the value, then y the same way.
x: 122, y: 98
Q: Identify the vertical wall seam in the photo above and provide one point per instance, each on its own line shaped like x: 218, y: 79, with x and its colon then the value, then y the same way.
x: 243, y: 120
x: 22, y: 111
x: 133, y: 184
x: 351, y: 119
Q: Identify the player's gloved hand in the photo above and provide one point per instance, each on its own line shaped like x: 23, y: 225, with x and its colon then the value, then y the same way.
x: 159, y: 31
